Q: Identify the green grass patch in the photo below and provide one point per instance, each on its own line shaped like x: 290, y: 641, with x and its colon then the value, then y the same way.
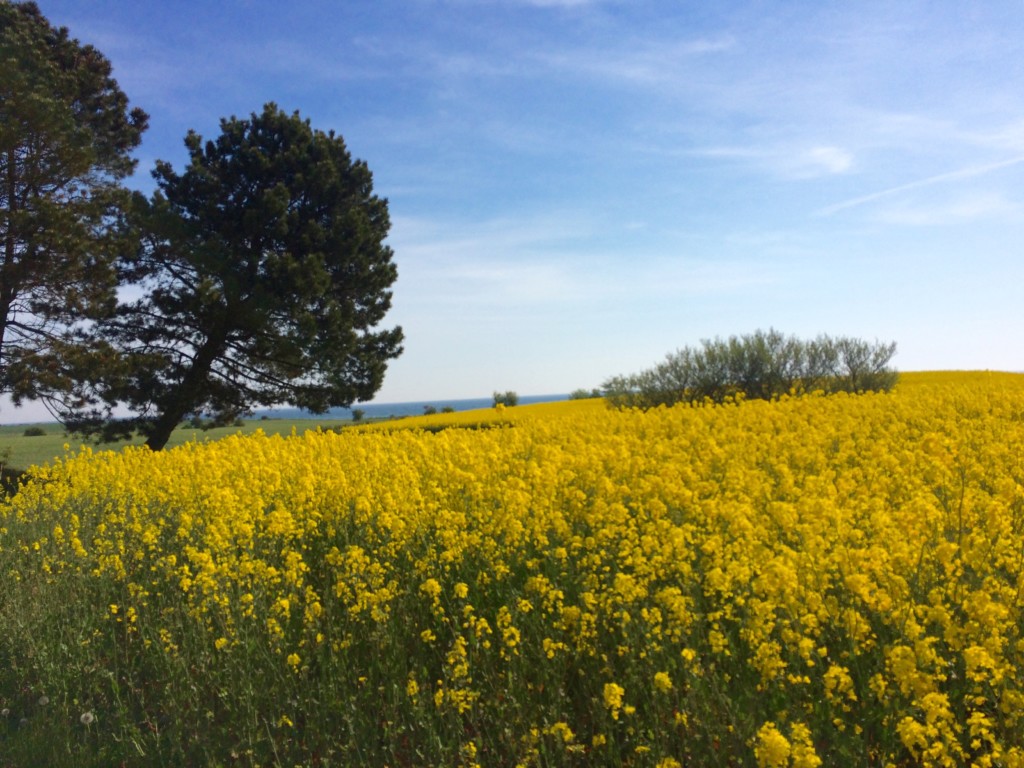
x: 20, y: 450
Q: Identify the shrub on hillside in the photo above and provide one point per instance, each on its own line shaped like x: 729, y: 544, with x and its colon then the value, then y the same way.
x: 761, y: 365
x: 507, y: 399
x: 34, y: 432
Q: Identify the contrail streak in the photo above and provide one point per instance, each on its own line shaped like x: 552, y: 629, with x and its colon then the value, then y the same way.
x: 963, y: 173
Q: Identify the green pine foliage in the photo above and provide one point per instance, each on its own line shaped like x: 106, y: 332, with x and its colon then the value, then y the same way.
x: 263, y: 276
x: 66, y: 137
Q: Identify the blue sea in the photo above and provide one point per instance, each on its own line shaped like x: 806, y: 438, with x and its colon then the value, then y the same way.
x: 395, y: 410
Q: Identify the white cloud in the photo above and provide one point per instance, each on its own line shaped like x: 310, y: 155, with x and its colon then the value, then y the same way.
x: 786, y: 161
x: 829, y: 159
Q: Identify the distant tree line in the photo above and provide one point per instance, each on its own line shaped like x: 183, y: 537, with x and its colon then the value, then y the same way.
x: 761, y: 365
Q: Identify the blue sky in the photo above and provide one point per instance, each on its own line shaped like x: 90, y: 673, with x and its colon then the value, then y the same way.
x: 578, y: 187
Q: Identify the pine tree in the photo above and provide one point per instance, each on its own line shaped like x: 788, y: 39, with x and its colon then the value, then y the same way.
x: 262, y: 275
x: 66, y: 134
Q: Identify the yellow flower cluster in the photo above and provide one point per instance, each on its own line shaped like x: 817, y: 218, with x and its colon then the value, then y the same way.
x: 814, y: 580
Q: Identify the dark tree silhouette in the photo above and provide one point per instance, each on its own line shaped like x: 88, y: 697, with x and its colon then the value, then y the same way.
x: 261, y: 278
x: 66, y: 134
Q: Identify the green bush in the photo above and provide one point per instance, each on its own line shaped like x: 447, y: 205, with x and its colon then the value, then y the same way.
x: 507, y: 399
x: 761, y: 365
x: 35, y: 432
x: 585, y: 394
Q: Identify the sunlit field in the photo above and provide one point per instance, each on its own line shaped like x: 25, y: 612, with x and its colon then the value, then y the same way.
x: 811, y: 581
x: 18, y: 450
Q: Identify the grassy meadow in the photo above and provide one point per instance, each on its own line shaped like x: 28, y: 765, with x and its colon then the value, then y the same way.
x: 810, y: 581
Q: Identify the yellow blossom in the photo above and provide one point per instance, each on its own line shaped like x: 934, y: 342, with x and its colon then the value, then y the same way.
x: 662, y: 682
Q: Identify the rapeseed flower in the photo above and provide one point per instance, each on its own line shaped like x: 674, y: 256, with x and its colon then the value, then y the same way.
x: 771, y: 748
x: 613, y: 694
x: 844, y: 572
x: 662, y: 682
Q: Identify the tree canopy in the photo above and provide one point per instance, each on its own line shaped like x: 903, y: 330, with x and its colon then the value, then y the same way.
x: 66, y: 134
x: 261, y: 276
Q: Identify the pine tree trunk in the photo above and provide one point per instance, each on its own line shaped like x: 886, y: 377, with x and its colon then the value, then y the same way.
x: 186, y: 395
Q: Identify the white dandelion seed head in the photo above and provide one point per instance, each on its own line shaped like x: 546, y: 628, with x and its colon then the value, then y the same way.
x: 44, y: 700
x: 87, y: 718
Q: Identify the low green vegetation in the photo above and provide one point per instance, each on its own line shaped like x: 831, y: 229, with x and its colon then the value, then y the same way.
x: 508, y: 399
x: 761, y: 365
x: 19, y: 450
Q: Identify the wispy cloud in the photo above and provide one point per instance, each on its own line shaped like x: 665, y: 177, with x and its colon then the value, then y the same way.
x: 786, y: 161
x: 941, y: 178
x: 967, y: 208
x: 828, y: 159
x: 643, y: 63
x: 550, y: 263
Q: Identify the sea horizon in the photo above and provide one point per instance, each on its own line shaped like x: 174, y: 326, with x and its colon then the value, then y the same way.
x: 395, y: 410
x: 370, y: 410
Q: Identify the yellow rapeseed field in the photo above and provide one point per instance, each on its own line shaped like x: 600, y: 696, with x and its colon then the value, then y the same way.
x: 812, y: 581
